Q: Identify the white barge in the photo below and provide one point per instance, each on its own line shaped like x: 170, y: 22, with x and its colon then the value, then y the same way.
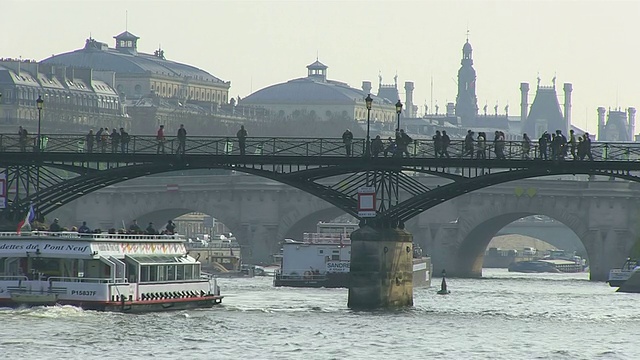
x: 108, y: 272
x: 323, y: 259
x: 617, y: 277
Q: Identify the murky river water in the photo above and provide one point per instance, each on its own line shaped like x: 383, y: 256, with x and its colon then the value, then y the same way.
x: 504, y: 316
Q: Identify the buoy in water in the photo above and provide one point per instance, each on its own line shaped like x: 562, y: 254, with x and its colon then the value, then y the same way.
x: 443, y: 286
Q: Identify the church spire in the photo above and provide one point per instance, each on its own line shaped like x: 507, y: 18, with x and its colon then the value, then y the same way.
x: 466, y: 100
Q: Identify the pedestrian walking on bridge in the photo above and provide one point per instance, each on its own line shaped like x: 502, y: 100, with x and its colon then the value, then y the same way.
x: 242, y: 139
x: 160, y: 139
x: 182, y: 139
x: 347, y: 139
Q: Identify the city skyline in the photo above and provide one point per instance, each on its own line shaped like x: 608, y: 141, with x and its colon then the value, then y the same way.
x: 585, y: 44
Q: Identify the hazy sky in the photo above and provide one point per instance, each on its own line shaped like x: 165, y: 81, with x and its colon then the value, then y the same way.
x: 254, y: 44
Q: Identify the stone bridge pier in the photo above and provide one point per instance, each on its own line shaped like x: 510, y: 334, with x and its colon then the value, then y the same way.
x: 606, y: 226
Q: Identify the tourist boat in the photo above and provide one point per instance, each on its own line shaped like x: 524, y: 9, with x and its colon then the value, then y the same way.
x: 323, y: 259
x: 617, y: 277
x: 109, y: 272
x: 555, y: 261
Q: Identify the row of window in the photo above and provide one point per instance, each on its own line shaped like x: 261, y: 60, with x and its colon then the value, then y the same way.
x: 29, y: 96
x: 173, y: 272
x: 200, y: 94
x: 378, y: 115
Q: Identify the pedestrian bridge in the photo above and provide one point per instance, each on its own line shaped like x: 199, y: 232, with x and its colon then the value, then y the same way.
x: 59, y: 169
x: 47, y: 175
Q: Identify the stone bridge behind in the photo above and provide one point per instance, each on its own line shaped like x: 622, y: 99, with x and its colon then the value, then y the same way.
x: 601, y: 213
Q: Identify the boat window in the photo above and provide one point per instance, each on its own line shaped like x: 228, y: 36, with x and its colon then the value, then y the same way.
x: 188, y: 272
x: 46, y: 266
x: 144, y: 273
x: 171, y: 272
x: 335, y: 257
x: 132, y: 275
x: 80, y: 268
x: 153, y: 273
x: 180, y: 272
x: 162, y: 272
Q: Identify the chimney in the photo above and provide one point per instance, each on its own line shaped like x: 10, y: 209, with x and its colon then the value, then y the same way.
x: 632, y: 122
x: 601, y: 112
x: 408, y: 89
x: 61, y: 74
x: 366, y: 87
x: 568, y: 88
x: 524, y: 102
x: 451, y: 109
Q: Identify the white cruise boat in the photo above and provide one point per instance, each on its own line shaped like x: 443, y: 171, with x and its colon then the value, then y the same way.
x: 110, y: 272
x: 617, y: 277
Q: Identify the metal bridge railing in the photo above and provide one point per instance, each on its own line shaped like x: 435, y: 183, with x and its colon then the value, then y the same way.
x: 307, y: 147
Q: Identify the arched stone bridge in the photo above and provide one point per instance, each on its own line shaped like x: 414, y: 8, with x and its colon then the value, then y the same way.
x: 602, y: 213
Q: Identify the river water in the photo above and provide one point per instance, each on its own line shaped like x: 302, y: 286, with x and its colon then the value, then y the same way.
x: 502, y: 316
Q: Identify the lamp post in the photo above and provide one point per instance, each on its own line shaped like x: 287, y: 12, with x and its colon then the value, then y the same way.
x: 367, y: 150
x: 39, y: 104
x: 398, y: 111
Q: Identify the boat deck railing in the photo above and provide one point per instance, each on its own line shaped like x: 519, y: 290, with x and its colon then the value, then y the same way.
x: 302, y: 275
x: 87, y: 280
x: 73, y: 235
x: 13, y: 278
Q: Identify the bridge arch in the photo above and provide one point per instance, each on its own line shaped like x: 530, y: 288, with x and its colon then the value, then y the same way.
x: 605, y: 248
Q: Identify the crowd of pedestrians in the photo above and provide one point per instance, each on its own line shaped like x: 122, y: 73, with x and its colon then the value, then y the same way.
x: 119, y: 140
x: 398, y: 147
x: 133, y: 229
x: 553, y: 146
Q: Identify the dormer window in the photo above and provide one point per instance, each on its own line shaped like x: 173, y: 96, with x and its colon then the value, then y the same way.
x: 127, y: 42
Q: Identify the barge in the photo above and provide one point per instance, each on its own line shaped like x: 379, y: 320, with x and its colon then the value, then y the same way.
x: 323, y: 259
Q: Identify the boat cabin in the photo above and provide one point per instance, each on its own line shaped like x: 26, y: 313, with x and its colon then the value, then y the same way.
x: 101, y: 257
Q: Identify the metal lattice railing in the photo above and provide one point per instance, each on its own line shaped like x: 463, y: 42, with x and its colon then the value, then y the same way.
x: 314, y: 147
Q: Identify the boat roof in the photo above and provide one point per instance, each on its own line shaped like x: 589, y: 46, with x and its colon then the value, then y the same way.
x: 89, y: 246
x: 558, y: 262
x: 101, y: 237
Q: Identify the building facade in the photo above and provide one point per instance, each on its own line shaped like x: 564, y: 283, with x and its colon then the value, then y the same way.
x: 619, y: 125
x: 73, y: 97
x: 157, y: 91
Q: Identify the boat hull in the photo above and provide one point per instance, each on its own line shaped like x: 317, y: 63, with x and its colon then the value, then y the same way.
x: 125, y: 306
x: 422, y: 270
x: 616, y: 283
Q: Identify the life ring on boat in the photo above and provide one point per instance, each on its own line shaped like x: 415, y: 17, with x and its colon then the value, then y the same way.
x: 307, y: 274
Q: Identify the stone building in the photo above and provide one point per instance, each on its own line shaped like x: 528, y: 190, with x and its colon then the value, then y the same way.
x: 158, y: 91
x: 619, y: 126
x: 74, y: 98
x: 545, y: 113
x: 139, y: 74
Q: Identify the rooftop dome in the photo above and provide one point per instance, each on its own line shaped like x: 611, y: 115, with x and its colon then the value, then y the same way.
x: 467, y: 47
x: 313, y: 89
x: 125, y: 58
